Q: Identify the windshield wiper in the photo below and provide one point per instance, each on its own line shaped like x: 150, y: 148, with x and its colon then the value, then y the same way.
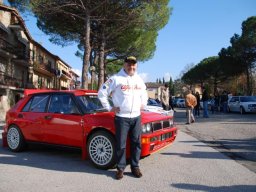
x: 101, y: 110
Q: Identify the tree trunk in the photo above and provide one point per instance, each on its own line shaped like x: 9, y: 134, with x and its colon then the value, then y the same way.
x: 101, y: 60
x: 95, y: 63
x: 87, y: 52
x: 248, y: 91
x: 215, y: 86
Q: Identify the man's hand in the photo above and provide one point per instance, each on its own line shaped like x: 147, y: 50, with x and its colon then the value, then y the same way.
x: 115, y: 109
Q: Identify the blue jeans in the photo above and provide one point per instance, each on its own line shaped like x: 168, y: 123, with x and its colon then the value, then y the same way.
x: 125, y: 126
x: 205, y: 105
x: 225, y: 107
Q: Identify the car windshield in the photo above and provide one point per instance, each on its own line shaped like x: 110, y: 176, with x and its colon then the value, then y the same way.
x: 248, y: 99
x: 91, y: 103
x: 152, y: 102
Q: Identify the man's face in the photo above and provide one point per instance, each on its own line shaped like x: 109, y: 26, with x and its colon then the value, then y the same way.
x: 130, y: 68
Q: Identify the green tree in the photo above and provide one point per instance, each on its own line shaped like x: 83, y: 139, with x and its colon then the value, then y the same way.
x: 240, y: 57
x: 171, y: 86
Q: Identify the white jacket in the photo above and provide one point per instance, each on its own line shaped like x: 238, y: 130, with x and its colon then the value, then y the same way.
x: 127, y: 92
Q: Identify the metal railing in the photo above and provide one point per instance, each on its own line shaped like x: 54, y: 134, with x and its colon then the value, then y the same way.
x: 10, y: 81
x: 8, y: 47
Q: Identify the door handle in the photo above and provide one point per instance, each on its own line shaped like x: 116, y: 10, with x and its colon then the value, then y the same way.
x: 20, y: 116
x: 48, y: 117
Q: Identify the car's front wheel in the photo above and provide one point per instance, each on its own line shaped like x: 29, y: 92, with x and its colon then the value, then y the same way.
x: 15, y: 139
x: 101, y: 149
x: 242, y: 111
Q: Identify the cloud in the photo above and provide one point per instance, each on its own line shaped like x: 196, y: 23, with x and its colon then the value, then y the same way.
x: 167, y: 76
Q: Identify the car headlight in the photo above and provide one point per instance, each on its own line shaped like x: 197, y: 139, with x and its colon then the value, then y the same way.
x: 171, y: 122
x: 146, y: 128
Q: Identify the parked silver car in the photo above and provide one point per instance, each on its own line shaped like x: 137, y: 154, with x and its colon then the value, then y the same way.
x: 242, y: 104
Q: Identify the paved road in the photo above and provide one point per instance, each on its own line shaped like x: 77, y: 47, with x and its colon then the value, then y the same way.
x: 186, y: 165
x: 232, y: 134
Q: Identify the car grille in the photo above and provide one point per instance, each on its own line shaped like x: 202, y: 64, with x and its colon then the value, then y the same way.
x: 160, y: 125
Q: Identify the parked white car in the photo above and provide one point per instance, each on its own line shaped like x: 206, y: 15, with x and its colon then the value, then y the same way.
x: 242, y: 104
x: 159, y: 110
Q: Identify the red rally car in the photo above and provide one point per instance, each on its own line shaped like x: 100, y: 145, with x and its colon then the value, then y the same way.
x: 76, y: 118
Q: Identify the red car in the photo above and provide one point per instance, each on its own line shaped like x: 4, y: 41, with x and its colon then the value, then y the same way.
x: 76, y: 118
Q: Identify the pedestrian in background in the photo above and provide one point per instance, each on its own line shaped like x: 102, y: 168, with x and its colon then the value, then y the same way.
x: 165, y: 96
x: 129, y: 96
x: 197, y: 107
x: 205, y: 98
x: 171, y: 103
x: 190, y: 102
x: 224, y: 101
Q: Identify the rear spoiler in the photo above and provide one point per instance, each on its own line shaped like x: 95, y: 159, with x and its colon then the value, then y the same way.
x: 76, y: 91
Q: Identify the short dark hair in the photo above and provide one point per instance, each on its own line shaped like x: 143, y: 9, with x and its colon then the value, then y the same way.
x: 166, y: 85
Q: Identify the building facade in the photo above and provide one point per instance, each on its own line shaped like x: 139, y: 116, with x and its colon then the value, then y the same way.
x: 25, y: 63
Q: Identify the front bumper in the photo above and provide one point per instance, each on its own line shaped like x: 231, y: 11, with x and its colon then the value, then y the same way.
x: 158, y: 140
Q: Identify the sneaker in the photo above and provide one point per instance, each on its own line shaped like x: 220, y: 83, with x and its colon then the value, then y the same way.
x: 136, y: 172
x: 119, y: 174
x: 187, y: 123
x: 192, y: 121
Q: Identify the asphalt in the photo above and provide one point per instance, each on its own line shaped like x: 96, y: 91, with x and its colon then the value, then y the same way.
x: 186, y: 165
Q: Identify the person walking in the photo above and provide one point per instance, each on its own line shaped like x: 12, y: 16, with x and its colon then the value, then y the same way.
x: 129, y: 96
x: 197, y: 107
x: 224, y: 101
x: 190, y: 102
x: 165, y: 96
x: 171, y: 103
x: 205, y: 98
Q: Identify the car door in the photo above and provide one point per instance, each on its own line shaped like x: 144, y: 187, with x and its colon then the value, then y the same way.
x: 31, y: 117
x: 234, y: 104
x: 63, y: 122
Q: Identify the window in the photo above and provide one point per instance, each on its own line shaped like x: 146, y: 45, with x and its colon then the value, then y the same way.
x: 91, y: 103
x: 63, y: 104
x: 40, y: 59
x: 36, y: 104
x: 234, y: 99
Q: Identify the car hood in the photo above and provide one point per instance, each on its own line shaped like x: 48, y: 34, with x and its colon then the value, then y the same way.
x: 148, y: 116
x: 248, y: 103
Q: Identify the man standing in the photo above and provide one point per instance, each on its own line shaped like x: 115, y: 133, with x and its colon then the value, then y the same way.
x: 205, y: 98
x: 197, y: 107
x: 129, y: 96
x: 165, y: 97
x: 190, y: 102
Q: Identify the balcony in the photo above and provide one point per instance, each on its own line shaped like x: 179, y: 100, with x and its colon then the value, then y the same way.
x: 44, y: 68
x: 8, y: 81
x: 66, y: 74
x: 8, y: 48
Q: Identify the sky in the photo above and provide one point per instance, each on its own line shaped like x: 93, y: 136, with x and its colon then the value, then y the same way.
x: 196, y: 29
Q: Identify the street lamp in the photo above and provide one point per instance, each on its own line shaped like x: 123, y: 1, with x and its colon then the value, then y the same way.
x: 92, y: 69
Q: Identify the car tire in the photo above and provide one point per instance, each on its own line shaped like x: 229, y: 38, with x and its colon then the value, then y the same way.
x: 242, y: 111
x: 101, y: 150
x: 15, y: 139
